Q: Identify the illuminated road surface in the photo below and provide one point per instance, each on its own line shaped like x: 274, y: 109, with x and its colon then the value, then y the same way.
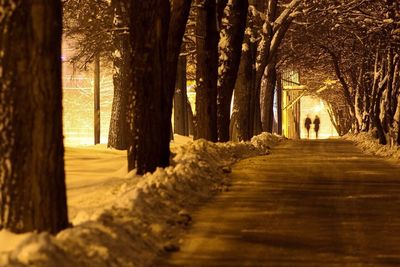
x: 310, y: 203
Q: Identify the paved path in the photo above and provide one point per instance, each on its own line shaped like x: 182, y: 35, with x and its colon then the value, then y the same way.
x: 310, y: 203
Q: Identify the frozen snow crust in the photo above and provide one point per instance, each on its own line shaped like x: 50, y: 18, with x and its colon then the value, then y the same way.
x: 371, y: 145
x: 148, y: 215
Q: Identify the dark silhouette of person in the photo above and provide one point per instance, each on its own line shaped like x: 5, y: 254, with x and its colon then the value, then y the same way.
x: 307, y: 124
x: 316, y: 125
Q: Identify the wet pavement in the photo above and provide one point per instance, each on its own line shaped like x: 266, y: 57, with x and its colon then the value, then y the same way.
x: 309, y: 203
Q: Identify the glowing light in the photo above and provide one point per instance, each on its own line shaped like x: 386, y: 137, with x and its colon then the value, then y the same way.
x: 318, y: 108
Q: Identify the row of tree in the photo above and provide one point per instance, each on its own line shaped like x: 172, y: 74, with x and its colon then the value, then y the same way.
x: 239, y: 47
x: 354, y: 46
x: 223, y: 50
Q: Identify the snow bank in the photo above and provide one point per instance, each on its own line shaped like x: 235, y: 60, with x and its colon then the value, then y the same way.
x: 371, y: 145
x: 148, y: 215
x: 9, y: 241
x: 93, y: 174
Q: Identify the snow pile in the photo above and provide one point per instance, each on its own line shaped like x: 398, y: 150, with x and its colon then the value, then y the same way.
x: 92, y: 173
x: 148, y: 215
x: 371, y: 145
x: 9, y: 241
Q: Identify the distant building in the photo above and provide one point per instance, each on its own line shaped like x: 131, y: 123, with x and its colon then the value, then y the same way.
x: 291, y: 95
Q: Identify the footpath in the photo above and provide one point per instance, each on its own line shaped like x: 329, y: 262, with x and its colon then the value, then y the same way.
x: 309, y: 203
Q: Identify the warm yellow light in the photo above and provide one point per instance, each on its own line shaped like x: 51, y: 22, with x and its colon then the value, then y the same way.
x: 318, y: 108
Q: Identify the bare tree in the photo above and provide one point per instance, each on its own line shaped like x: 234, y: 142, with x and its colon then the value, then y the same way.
x: 230, y: 48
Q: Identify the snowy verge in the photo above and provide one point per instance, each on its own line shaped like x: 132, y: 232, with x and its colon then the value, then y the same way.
x: 371, y: 145
x: 148, y: 215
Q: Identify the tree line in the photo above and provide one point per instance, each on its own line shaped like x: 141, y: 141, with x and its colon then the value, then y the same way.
x: 222, y: 40
x: 355, y: 45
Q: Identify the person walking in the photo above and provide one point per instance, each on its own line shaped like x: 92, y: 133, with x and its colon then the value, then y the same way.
x: 316, y: 123
x: 307, y: 124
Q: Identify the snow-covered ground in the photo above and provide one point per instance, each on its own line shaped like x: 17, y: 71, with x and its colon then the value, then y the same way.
x: 371, y: 145
x: 121, y: 219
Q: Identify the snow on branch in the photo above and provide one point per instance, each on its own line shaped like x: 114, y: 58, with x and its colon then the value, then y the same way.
x: 290, y: 11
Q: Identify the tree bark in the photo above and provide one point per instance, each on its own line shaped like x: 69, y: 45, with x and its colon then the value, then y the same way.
x: 230, y: 47
x: 117, y: 135
x: 396, y: 123
x: 96, y: 94
x: 180, y: 99
x: 377, y: 121
x: 244, y: 106
x: 388, y: 117
x: 366, y: 101
x: 279, y: 92
x: 377, y: 108
x: 177, y: 25
x: 148, y: 97
x: 32, y: 179
x: 395, y: 83
x: 267, y: 100
x: 241, y: 125
x: 376, y: 75
x: 359, y: 96
x: 206, y: 70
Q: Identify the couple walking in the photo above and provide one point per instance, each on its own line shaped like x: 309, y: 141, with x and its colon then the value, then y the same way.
x: 316, y: 123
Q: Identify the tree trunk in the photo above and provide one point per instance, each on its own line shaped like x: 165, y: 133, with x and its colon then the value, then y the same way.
x: 396, y: 124
x: 180, y: 100
x: 32, y: 184
x: 377, y: 121
x: 367, y: 107
x: 242, y: 126
x: 96, y: 94
x: 358, y: 97
x: 274, y: 30
x: 395, y: 83
x: 245, y: 91
x: 279, y: 92
x: 256, y: 110
x: 206, y: 70
x: 377, y: 74
x: 267, y: 100
x: 345, y: 87
x: 377, y: 109
x: 177, y: 25
x: 386, y: 109
x: 117, y: 135
x: 148, y: 97
x: 230, y: 48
